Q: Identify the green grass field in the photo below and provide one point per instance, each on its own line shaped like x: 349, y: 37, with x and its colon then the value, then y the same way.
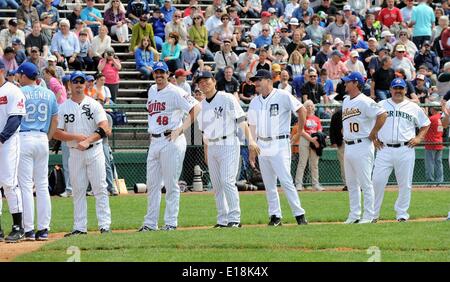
x: 411, y: 241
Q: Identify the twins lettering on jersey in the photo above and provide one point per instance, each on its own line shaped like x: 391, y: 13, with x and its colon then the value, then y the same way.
x: 155, y: 107
x: 350, y: 112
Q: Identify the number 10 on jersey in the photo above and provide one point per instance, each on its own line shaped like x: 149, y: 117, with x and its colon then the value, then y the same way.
x: 354, y: 127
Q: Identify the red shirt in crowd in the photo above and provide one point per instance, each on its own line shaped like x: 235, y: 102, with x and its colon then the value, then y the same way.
x: 435, y: 133
x: 388, y: 17
x: 312, y: 125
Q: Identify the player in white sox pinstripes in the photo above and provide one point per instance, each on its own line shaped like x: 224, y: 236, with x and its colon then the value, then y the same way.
x: 12, y: 108
x: 269, y: 117
x: 397, y: 139
x: 219, y: 119
x: 362, y: 118
x: 37, y: 127
x: 166, y: 106
x: 82, y: 122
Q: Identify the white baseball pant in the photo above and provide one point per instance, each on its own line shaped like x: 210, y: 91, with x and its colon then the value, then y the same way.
x: 165, y: 158
x: 223, y: 164
x: 358, y: 162
x: 89, y: 167
x: 275, y: 161
x: 9, y: 159
x: 33, y: 169
x: 402, y: 161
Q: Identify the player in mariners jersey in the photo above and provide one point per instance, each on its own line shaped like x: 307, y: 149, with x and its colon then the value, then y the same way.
x: 396, y: 150
x: 166, y: 105
x: 362, y: 118
x: 36, y: 129
x: 219, y: 119
x: 12, y: 108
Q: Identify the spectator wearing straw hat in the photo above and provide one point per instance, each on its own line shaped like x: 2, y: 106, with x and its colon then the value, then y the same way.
x: 400, y: 61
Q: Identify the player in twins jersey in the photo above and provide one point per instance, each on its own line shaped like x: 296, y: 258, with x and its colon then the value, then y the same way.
x: 166, y: 105
x: 396, y: 148
x: 12, y: 108
x: 362, y: 118
x: 36, y: 129
x: 219, y: 119
x: 83, y: 124
x: 269, y: 117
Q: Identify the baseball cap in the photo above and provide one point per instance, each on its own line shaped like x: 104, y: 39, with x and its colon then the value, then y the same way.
x: 354, y: 53
x: 347, y: 8
x: 203, y: 74
x: 398, y: 82
x: 170, y: 1
x: 160, y: 66
x: 336, y: 53
x: 262, y: 74
x: 28, y: 69
x: 347, y: 44
x: 77, y: 74
x: 89, y: 78
x: 293, y: 21
x: 16, y: 41
x: 45, y: 15
x: 383, y: 48
x: 386, y: 33
x: 12, y: 22
x: 271, y: 10
x: 276, y: 67
x: 372, y: 39
x: 420, y: 76
x: 35, y: 48
x: 400, y: 48
x: 265, y: 14
x: 252, y: 46
x: 65, y: 78
x: 354, y: 76
x: 181, y: 72
x: 426, y: 43
x: 337, y: 41
x: 52, y: 58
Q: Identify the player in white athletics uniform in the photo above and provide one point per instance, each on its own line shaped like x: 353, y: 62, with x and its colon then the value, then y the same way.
x: 396, y: 147
x: 37, y: 127
x: 219, y: 119
x: 82, y: 123
x: 362, y: 118
x: 269, y: 117
x: 166, y: 105
x: 12, y: 108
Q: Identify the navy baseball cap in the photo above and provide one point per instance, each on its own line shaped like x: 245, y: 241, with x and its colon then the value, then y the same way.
x: 89, y: 78
x: 203, y: 74
x: 354, y: 76
x: 77, y: 74
x: 28, y: 69
x: 160, y: 66
x: 262, y: 74
x: 66, y: 78
x: 398, y: 83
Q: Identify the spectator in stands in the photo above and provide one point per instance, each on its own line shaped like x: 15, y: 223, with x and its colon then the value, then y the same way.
x: 91, y: 16
x: 101, y: 90
x: 387, y: 40
x: 326, y: 7
x: 381, y: 80
x: 65, y: 46
x: 5, y: 4
x: 437, y: 30
x: 177, y: 25
x: 8, y: 34
x: 275, y: 48
x: 303, y: 10
x: 427, y: 57
x: 326, y: 83
x: 407, y: 11
x: 199, y: 35
x: 136, y: 9
x: 339, y: 28
x: 335, y: 67
x: 27, y: 13
x: 295, y: 64
x: 276, y: 4
x: 224, y: 31
x: 234, y: 17
x: 399, y: 61
x: 144, y: 58
x: 289, y: 9
x: 181, y: 80
x: 168, y: 11
x: 140, y: 30
x: 189, y: 11
x: 296, y: 41
x: 390, y: 15
x: 110, y: 66
x: 189, y: 20
x: 9, y: 59
x: 171, y: 52
x: 47, y: 7
x: 100, y: 43
x: 75, y: 15
x: 369, y: 53
x: 229, y: 84
x: 91, y: 91
x: 81, y: 26
x: 410, y: 91
x: 158, y: 23
x: 198, y: 95
x: 52, y: 62
x: 322, y: 55
x: 86, y: 52
x: 285, y: 38
x: 212, y: 9
x: 36, y: 38
x: 433, y: 152
x: 354, y: 64
x: 256, y: 29
x: 284, y: 83
x: 48, y: 29
x: 54, y: 84
x: 422, y: 22
x: 263, y: 62
x: 245, y: 61
x: 357, y: 44
x: 35, y: 58
x: 445, y: 43
x: 375, y: 62
x: 369, y: 28
x: 19, y: 52
x: 314, y: 91
x: 265, y: 38
x: 312, y: 125
x: 116, y: 22
x: 411, y: 48
x: 247, y: 90
x: 315, y: 32
x: 252, y: 8
x: 213, y: 22
x: 189, y: 57
x: 420, y: 89
x: 225, y: 57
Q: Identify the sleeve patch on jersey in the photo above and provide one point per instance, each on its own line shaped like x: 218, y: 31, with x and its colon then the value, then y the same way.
x: 3, y: 100
x: 21, y: 104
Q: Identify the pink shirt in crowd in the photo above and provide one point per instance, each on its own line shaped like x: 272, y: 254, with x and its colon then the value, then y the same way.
x: 55, y: 87
x: 111, y: 73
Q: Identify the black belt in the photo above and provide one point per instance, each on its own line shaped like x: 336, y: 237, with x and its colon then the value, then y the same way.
x: 286, y: 136
x: 218, y: 139
x: 353, y: 142
x: 167, y: 133
x: 29, y: 130
x: 90, y: 146
x: 397, y: 145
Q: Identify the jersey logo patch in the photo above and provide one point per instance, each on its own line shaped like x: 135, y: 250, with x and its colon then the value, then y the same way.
x: 350, y: 112
x: 87, y: 112
x: 21, y: 104
x: 218, y: 112
x: 155, y: 107
x: 274, y: 108
x: 3, y: 100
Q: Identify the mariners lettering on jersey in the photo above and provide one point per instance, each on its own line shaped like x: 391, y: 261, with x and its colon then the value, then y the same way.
x: 400, y: 114
x: 351, y: 112
x: 155, y: 107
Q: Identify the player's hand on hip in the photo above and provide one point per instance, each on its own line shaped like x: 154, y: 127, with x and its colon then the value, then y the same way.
x: 378, y: 144
x: 174, y: 134
x: 414, y: 142
x: 373, y: 136
x: 254, y: 148
x: 83, y: 145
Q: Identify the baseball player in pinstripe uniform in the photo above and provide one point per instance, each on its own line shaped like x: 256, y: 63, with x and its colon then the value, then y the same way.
x: 166, y: 105
x: 82, y: 122
x: 219, y: 119
x: 37, y: 127
x: 12, y: 108
x: 397, y: 139
x: 269, y: 117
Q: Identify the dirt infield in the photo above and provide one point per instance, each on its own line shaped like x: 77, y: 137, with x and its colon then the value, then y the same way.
x: 10, y: 251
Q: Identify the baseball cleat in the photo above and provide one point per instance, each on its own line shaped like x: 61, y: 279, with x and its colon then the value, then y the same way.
x: 401, y: 219
x: 366, y: 221
x: 145, y: 229
x: 318, y: 188
x: 301, y: 220
x: 17, y: 234
x: 351, y: 221
x: 234, y: 225
x: 75, y: 233
x: 29, y: 236
x: 345, y: 188
x: 220, y: 226
x: 168, y: 228
x: 105, y: 231
x: 299, y: 187
x: 2, y: 236
x: 42, y: 235
x: 275, y: 221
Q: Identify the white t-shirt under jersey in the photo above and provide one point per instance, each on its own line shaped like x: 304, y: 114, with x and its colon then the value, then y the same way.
x: 359, y: 116
x: 166, y: 108
x: 401, y: 122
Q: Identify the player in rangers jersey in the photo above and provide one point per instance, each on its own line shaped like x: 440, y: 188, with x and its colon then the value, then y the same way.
x: 269, y: 117
x: 36, y: 129
x: 166, y: 106
x: 362, y: 118
x: 219, y: 119
x: 397, y: 139
x: 12, y: 108
x: 82, y: 123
